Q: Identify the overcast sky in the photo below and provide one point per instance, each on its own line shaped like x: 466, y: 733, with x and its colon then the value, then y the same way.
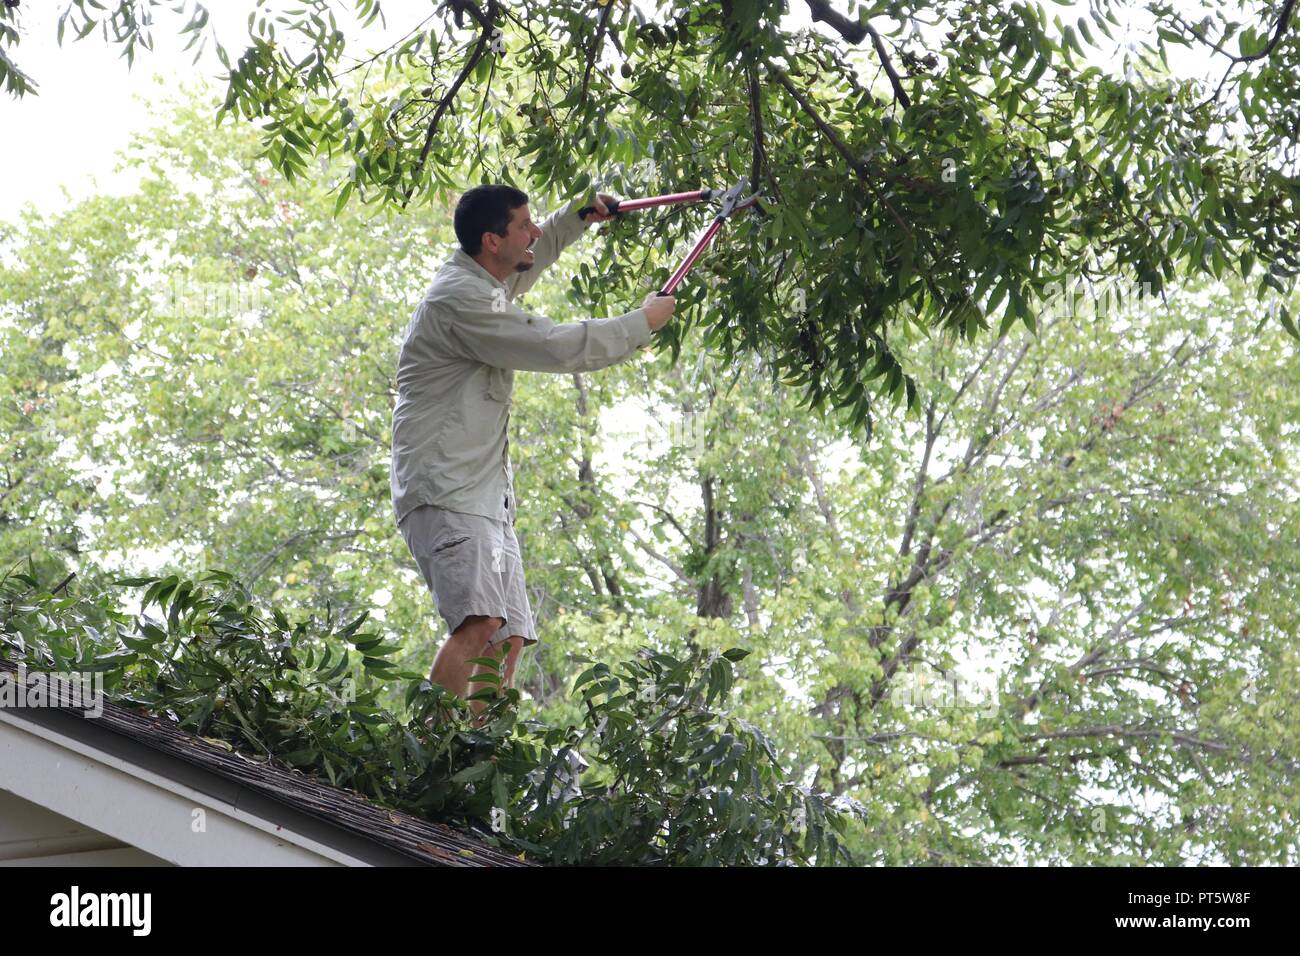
x: 89, y: 102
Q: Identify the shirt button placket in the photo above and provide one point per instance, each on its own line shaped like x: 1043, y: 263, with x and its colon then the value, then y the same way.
x: 505, y: 467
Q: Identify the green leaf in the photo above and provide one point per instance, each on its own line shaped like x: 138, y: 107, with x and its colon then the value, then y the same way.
x: 1288, y: 323
x: 1040, y: 67
x: 351, y: 629
x: 143, y: 644
x: 1250, y: 43
x: 1086, y: 31
x: 109, y: 662
x: 342, y: 199
x: 1072, y: 40
x: 475, y: 773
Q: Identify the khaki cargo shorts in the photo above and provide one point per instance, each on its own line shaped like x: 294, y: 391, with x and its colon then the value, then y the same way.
x: 472, y: 565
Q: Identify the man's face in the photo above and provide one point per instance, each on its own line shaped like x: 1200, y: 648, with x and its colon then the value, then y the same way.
x: 513, y: 251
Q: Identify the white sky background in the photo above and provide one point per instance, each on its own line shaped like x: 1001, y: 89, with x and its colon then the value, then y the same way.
x: 60, y: 146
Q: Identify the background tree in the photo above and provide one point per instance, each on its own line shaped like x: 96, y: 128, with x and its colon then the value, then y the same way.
x: 1090, y: 527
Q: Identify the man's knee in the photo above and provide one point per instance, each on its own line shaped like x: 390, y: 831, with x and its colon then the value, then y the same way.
x: 478, y: 628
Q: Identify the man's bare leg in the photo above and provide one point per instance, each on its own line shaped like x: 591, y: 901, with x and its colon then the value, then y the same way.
x: 512, y: 658
x: 451, y: 668
x: 511, y: 647
x: 478, y: 706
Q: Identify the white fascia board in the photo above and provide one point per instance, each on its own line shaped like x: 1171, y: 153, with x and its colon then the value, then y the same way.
x: 145, y: 809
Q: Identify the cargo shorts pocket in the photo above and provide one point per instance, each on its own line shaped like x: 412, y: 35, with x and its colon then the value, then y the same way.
x: 448, y: 543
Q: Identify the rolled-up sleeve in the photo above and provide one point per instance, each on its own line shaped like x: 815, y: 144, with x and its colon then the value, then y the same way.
x: 490, y: 330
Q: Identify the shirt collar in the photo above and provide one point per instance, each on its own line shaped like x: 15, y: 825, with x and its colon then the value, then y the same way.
x: 465, y: 261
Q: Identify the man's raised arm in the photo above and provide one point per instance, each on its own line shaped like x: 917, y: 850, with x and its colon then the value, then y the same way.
x: 558, y: 230
x: 484, y: 328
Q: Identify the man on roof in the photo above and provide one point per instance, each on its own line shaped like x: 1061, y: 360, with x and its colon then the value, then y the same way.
x: 452, y: 484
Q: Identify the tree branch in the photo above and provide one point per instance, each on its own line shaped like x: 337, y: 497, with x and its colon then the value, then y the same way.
x: 486, y: 21
x: 595, y: 48
x: 841, y: 147
x: 854, y: 32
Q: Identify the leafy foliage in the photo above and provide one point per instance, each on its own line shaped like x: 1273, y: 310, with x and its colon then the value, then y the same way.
x: 929, y: 165
x: 677, y: 780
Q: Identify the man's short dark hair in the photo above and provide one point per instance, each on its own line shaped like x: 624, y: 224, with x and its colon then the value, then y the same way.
x: 485, y: 209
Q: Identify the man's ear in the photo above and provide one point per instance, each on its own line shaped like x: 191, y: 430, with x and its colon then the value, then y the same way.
x: 490, y: 242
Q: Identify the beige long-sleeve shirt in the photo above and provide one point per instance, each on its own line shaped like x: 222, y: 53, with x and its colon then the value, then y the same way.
x: 455, y: 375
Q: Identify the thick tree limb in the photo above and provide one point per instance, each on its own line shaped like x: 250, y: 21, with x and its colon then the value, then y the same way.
x: 854, y: 32
x: 666, y: 562
x: 486, y: 21
x: 595, y: 48
x: 905, y: 548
